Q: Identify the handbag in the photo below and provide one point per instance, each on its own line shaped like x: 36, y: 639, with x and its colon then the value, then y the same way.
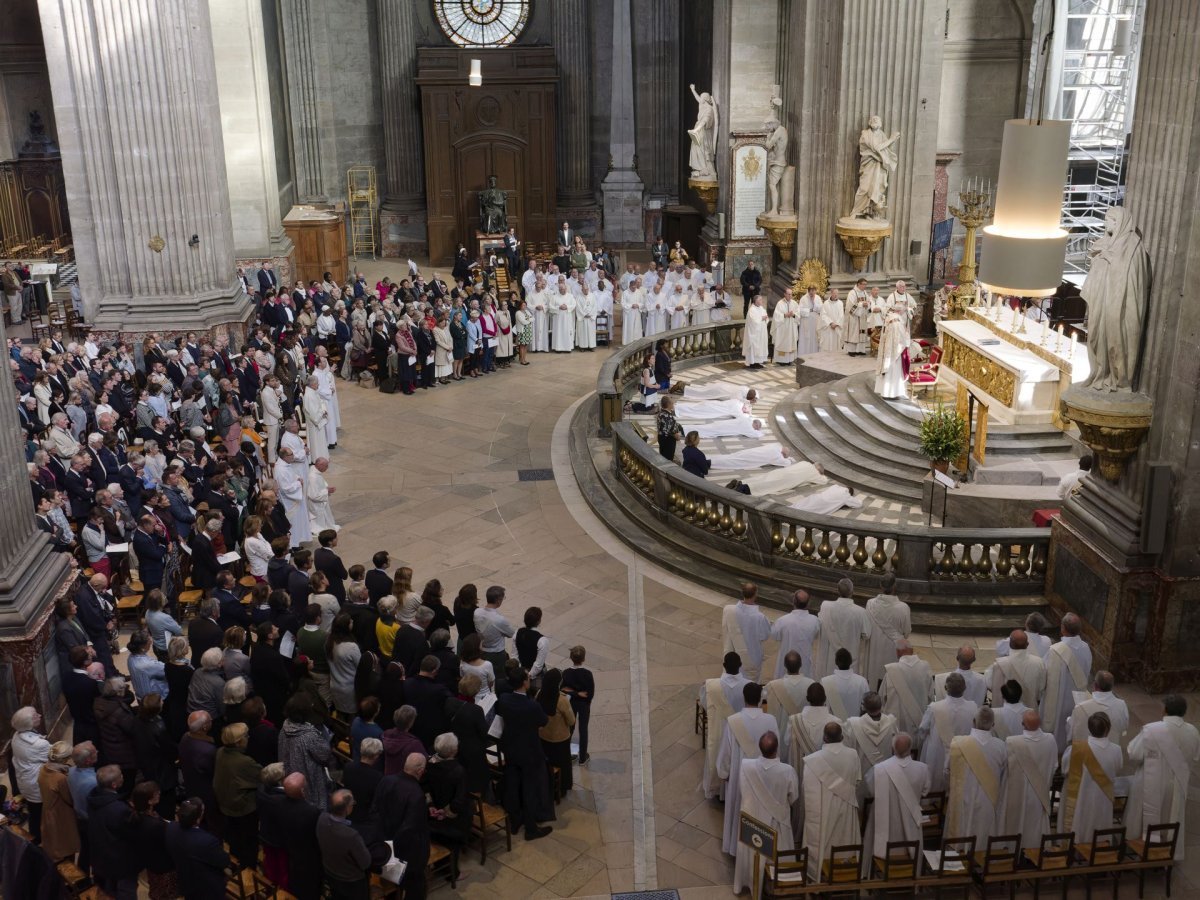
x: 388, y: 385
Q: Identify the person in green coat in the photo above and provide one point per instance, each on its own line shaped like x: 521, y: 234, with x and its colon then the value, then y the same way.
x: 236, y: 777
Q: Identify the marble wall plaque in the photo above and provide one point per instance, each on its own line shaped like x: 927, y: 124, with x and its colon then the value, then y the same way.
x: 1084, y: 589
x: 750, y: 189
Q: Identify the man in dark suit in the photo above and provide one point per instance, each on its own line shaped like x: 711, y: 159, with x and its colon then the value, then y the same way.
x: 510, y: 252
x: 429, y: 698
x: 81, y: 491
x: 96, y: 611
x: 659, y: 251
x: 298, y: 581
x: 344, y: 853
x: 59, y: 541
x: 204, y: 557
x: 330, y: 564
x: 411, y: 645
x: 104, y: 464
x: 267, y: 279
x: 298, y: 825
x: 199, y: 858
x: 80, y: 690
x: 566, y: 237
x: 526, y: 789
x: 129, y: 477
x: 751, y: 280
x: 115, y: 858
x: 400, y: 815
x: 362, y: 779
x: 379, y: 582
x: 448, y: 662
x: 204, y: 631
x: 229, y: 605
x: 150, y: 547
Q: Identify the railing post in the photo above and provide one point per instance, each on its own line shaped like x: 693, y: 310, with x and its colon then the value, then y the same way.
x: 758, y: 535
x: 610, y: 411
x: 914, y: 558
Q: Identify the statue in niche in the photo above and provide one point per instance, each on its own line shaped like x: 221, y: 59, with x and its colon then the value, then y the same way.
x: 876, y: 162
x: 777, y: 140
x: 493, y: 208
x: 703, y: 157
x: 1117, y: 291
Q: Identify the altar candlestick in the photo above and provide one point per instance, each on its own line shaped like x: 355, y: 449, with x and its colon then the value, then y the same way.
x: 1045, y: 331
x: 1058, y: 336
x: 1072, y: 357
x: 1014, y: 321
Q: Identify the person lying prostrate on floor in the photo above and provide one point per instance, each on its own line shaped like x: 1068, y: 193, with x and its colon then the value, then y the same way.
x: 743, y: 426
x: 717, y: 390
x: 752, y: 458
x: 715, y: 409
x: 828, y: 500
x: 785, y: 479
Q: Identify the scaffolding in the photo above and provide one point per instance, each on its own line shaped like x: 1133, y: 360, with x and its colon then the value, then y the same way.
x: 1098, y: 70
x: 363, y: 222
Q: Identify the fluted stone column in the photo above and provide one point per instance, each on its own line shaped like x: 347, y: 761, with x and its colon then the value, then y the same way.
x: 655, y: 36
x: 402, y: 222
x: 135, y: 97
x: 572, y: 51
x: 310, y: 99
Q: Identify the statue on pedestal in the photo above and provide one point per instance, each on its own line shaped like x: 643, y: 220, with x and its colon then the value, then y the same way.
x: 777, y: 142
x: 493, y: 208
x: 703, y: 156
x: 877, y: 160
x: 1116, y: 289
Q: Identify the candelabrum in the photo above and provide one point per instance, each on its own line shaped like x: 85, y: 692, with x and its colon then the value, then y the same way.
x: 976, y: 209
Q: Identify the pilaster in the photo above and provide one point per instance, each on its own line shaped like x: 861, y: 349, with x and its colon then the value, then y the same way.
x: 572, y: 52
x: 655, y: 37
x: 622, y: 187
x: 310, y: 99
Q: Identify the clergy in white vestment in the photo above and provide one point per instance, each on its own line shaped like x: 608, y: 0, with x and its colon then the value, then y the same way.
x: 827, y: 500
x: 977, y: 685
x: 538, y: 303
x: 318, y: 496
x: 650, y: 279
x: 1162, y: 755
x: 755, y: 342
x: 785, y: 328
x: 720, y: 698
x: 290, y: 483
x: 698, y: 410
x: 809, y: 314
x: 658, y: 309
x: 742, y: 426
x: 889, y: 620
x: 1101, y: 699
x: 627, y: 277
x: 843, y: 624
x: 750, y: 458
x: 900, y: 300
x: 700, y: 305
x: 1023, y: 666
x: 603, y: 293
x: 585, y: 319
x: 831, y: 777
x: 271, y: 399
x: 878, y: 308
x: 782, y: 480
x: 740, y: 741
x: 717, y: 390
x: 1038, y: 643
x: 316, y: 417
x: 632, y: 303
x: 871, y: 733
x: 1089, y: 770
x: 327, y: 386
x: 1068, y: 671
x: 907, y: 688
x: 744, y: 628
x: 857, y: 337
x: 844, y: 689
x: 897, y: 785
x: 562, y: 322
x: 1032, y: 760
x: 890, y: 379
x: 831, y: 323
x: 944, y: 720
x: 1011, y: 714
x: 680, y: 303
x: 796, y: 631
x: 974, y: 802
x: 787, y: 694
x: 769, y: 791
x: 529, y: 278
x: 295, y: 444
x: 804, y: 730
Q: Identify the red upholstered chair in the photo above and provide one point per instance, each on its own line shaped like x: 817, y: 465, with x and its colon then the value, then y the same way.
x: 925, y: 376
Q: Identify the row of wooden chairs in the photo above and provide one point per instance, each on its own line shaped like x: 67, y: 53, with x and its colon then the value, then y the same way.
x: 57, y: 249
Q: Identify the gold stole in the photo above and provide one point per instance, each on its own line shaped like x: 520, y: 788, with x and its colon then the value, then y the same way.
x: 1164, y: 760
x: 734, y: 639
x: 1054, y: 689
x: 718, y: 709
x: 966, y: 750
x: 749, y: 746
x: 1082, y: 757
x: 1036, y: 777
x: 778, y: 692
x: 908, y: 700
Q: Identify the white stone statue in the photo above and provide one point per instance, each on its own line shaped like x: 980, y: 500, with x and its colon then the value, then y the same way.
x: 703, y: 157
x: 1117, y: 290
x: 876, y: 162
x: 777, y: 140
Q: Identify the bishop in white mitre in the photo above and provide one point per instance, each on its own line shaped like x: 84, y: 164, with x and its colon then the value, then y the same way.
x: 907, y: 688
x: 976, y: 770
x: 289, y: 482
x: 830, y: 323
x: 977, y: 685
x: 1068, y: 671
x: 1023, y: 666
x: 1101, y: 699
x: 796, y: 630
x: 317, y: 495
x: 740, y: 741
x: 843, y: 624
x: 785, y: 328
x: 744, y: 628
x: 316, y: 417
x: 890, y: 378
x: 890, y: 621
x: 831, y: 778
x: 562, y: 324
x: 585, y: 319
x: 720, y: 698
x: 844, y: 689
x: 769, y: 791
x: 538, y: 303
x: 755, y: 341
x: 1089, y: 779
x: 897, y: 784
x: 632, y: 303
x: 787, y: 695
x: 1032, y: 760
x: 944, y: 721
x: 1162, y: 755
x: 871, y: 733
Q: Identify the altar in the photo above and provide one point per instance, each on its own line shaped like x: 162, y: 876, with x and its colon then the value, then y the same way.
x: 1020, y: 374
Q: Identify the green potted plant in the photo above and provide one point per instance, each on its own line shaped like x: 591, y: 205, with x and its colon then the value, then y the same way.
x: 943, y: 436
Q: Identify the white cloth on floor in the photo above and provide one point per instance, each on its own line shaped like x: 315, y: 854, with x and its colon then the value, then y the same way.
x: 750, y: 458
x: 784, y: 479
x: 743, y: 426
x: 827, y: 500
x: 711, y: 409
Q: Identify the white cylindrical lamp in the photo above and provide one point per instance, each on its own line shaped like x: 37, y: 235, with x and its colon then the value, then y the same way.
x: 476, y: 77
x: 1024, y: 247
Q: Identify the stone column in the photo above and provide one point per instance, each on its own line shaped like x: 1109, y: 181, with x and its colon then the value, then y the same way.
x: 574, y: 110
x: 246, y: 116
x: 622, y: 186
x: 402, y: 214
x: 655, y: 36
x: 144, y: 162
x: 307, y: 61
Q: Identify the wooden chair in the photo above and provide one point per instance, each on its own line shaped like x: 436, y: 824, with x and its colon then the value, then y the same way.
x: 955, y: 862
x: 701, y: 726
x: 247, y: 884
x: 442, y: 858
x: 1054, y: 855
x: 485, y: 820
x: 188, y: 601
x: 129, y: 608
x: 787, y: 875
x: 924, y: 376
x: 933, y: 818
x: 844, y: 867
x: 1157, y: 847
x: 1106, y: 849
x: 901, y: 862
x: 998, y: 863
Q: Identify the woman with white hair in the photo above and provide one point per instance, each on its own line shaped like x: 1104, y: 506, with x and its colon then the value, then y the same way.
x: 446, y: 786
x: 207, y: 690
x: 30, y: 750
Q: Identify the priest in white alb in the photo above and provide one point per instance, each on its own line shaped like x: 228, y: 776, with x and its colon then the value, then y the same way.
x: 316, y: 417
x: 1010, y: 716
x: 1023, y: 666
x: 562, y: 319
x: 755, y: 341
x: 769, y: 792
x: 804, y: 730
x: 831, y: 777
x: 703, y: 410
x: 1101, y: 699
x: 843, y: 624
x: 907, y: 688
x: 857, y: 337
x: 897, y: 785
x: 945, y: 720
x: 1162, y: 755
x: 889, y: 621
x: 830, y: 323
x: 700, y: 305
x: 871, y: 733
x: 785, y: 329
x: 844, y: 689
x: 318, y: 495
x: 538, y: 303
x: 1068, y: 671
x: 786, y: 695
x: 890, y: 377
x: 750, y: 458
x: 740, y: 741
x: 1032, y: 759
x: 788, y: 478
x: 295, y: 444
x: 289, y: 482
x: 680, y: 304
x: 902, y: 302
x: 977, y: 685
x: 585, y: 319
x: 796, y: 631
x: 658, y: 306
x: 720, y: 698
x: 744, y: 628
x: 632, y: 304
x: 1089, y: 779
x: 809, y: 314
x: 977, y: 763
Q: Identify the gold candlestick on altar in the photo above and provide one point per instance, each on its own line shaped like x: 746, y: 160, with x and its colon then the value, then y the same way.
x: 976, y: 209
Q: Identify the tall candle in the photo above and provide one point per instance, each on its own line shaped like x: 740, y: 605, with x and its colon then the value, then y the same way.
x: 1072, y: 357
x: 1045, y: 329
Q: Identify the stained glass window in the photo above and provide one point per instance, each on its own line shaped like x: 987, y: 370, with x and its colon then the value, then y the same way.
x: 482, y: 23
